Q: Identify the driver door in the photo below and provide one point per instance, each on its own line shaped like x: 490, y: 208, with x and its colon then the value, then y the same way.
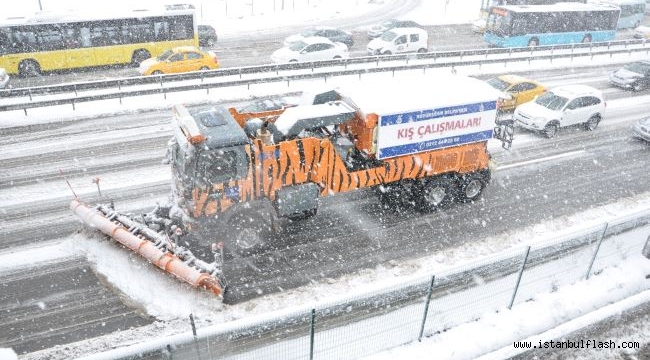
x: 575, y: 112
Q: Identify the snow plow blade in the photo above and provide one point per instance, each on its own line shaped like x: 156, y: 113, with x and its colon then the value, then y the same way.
x: 178, y: 262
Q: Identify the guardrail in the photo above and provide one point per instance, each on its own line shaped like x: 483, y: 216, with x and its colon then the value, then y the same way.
x: 382, y: 319
x: 119, y: 88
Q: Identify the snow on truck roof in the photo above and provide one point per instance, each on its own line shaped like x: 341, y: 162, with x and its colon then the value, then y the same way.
x: 393, y: 97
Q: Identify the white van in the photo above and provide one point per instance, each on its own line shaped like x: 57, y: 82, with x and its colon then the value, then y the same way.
x: 398, y: 41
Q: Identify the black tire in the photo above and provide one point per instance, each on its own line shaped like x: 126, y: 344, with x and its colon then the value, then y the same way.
x: 304, y: 215
x: 550, y: 130
x: 336, y: 57
x: 470, y: 187
x: 586, y: 39
x: 248, y: 233
x: 139, y: 56
x: 422, y: 51
x: 390, y: 196
x: 157, y: 72
x: 29, y: 68
x: 203, y: 68
x: 592, y: 123
x: 637, y: 86
x: 435, y: 193
x: 533, y: 42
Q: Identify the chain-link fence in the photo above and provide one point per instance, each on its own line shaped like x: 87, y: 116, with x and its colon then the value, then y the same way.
x: 362, y: 325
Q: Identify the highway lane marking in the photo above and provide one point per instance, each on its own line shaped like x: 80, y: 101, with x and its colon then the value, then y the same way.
x: 548, y: 158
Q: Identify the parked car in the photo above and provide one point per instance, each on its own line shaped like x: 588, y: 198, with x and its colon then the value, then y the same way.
x: 334, y: 35
x: 179, y: 59
x: 398, y: 41
x: 641, y: 129
x: 4, y: 78
x: 517, y: 90
x: 634, y: 76
x: 378, y: 30
x: 207, y: 35
x: 314, y: 48
x: 562, y: 106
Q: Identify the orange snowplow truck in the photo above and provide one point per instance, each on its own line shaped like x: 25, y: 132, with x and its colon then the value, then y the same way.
x: 236, y: 175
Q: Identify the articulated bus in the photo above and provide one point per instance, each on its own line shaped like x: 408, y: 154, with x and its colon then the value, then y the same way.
x: 561, y: 23
x: 49, y: 42
x: 632, y: 12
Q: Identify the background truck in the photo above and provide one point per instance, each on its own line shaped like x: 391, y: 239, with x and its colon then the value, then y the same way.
x: 237, y: 175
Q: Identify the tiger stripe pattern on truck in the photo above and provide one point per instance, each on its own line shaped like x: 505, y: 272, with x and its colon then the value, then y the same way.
x: 272, y: 167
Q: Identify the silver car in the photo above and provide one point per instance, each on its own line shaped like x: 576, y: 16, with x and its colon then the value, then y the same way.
x: 642, y: 129
x: 633, y: 76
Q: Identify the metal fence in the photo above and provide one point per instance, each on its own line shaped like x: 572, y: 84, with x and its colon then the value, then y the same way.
x: 28, y: 98
x: 385, y: 318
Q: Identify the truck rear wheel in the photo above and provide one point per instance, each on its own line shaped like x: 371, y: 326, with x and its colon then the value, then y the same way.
x: 435, y: 193
x: 470, y: 187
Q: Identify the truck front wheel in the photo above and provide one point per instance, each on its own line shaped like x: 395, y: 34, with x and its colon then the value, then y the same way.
x: 248, y: 233
x: 435, y: 193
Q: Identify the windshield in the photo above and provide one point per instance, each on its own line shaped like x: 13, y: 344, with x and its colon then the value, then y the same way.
x: 638, y: 67
x: 388, y: 36
x: 498, y: 84
x: 551, y: 101
x: 297, y: 46
x: 165, y: 55
x: 499, y: 22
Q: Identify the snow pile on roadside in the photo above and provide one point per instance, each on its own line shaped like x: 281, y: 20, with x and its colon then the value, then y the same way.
x: 7, y: 354
x: 545, y: 311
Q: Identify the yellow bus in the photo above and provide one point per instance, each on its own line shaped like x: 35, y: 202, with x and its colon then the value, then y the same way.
x: 49, y: 42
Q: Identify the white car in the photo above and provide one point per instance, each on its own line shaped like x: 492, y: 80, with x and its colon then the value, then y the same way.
x: 333, y: 34
x: 642, y: 129
x: 562, y: 106
x: 314, y: 48
x: 398, y: 41
x: 4, y: 78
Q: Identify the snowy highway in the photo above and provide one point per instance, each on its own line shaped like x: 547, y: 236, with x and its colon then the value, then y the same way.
x: 61, y: 283
x: 539, y: 179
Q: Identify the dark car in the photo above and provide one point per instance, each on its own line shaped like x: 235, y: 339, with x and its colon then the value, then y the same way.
x: 207, y: 35
x: 333, y: 34
x: 386, y: 25
x: 634, y: 76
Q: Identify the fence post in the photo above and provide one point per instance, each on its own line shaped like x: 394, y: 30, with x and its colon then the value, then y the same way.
x: 196, y: 340
x: 593, y: 258
x: 426, y: 307
x: 311, y: 334
x: 521, y: 272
